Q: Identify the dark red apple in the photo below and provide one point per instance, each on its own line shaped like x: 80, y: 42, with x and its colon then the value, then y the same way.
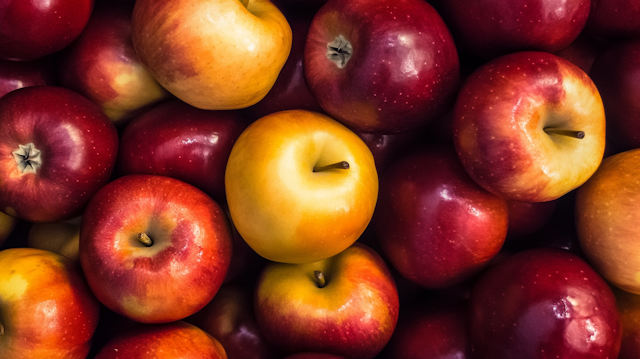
x: 583, y: 51
x: 19, y: 74
x: 177, y: 140
x: 435, y: 224
x: 57, y: 149
x: 526, y: 218
x: 614, y: 19
x: 382, y: 66
x: 543, y: 303
x: 387, y: 148
x: 32, y: 29
x: 313, y: 356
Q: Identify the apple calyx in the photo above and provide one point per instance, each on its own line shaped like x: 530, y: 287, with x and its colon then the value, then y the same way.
x: 342, y: 165
x: 569, y: 133
x: 321, y: 282
x: 145, y: 239
x: 339, y: 51
x: 28, y: 158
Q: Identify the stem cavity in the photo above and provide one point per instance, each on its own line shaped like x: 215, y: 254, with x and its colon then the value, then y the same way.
x: 145, y: 239
x: 343, y: 165
x: 339, y: 51
x: 28, y: 158
x: 321, y: 282
x: 569, y: 133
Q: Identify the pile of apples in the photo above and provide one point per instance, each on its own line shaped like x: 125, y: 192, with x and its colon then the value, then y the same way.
x: 320, y: 179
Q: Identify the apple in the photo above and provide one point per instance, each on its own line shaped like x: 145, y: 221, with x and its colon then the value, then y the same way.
x: 177, y: 140
x: 527, y: 218
x: 583, y: 51
x: 614, y: 19
x: 616, y: 73
x: 435, y: 225
x: 529, y: 126
x: 629, y: 309
x: 154, y: 249
x: 57, y: 149
x: 33, y: 29
x: 606, y: 218
x: 543, y: 303
x: 344, y: 305
x: 313, y: 356
x: 163, y: 341
x: 387, y: 148
x: 19, y: 74
x: 60, y: 237
x: 46, y: 307
x: 300, y: 186
x: 384, y: 66
x: 7, y: 225
x: 487, y: 29
x: 103, y: 66
x: 212, y: 54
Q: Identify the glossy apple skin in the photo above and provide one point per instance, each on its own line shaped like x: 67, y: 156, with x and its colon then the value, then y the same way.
x: 353, y: 316
x: 181, y: 43
x: 499, y: 125
x: 607, y: 216
x: 487, y: 28
x: 19, y: 74
x: 174, y: 277
x: 543, y: 303
x: 103, y: 66
x: 614, y: 19
x: 283, y: 209
x: 177, y: 140
x: 32, y: 29
x: 47, y: 308
x: 404, y: 71
x: 78, y: 147
x: 616, y: 73
x: 437, y: 228
x: 163, y: 341
x: 230, y: 318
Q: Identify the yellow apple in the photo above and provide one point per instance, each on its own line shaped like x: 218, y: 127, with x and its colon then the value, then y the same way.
x: 212, y: 54
x: 284, y: 201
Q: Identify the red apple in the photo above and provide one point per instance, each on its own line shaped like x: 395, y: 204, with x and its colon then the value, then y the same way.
x: 163, y: 341
x: 436, y: 226
x: 529, y: 126
x: 177, y: 140
x: 487, y: 29
x: 345, y: 305
x: 32, y: 29
x: 583, y: 51
x: 103, y: 65
x: 19, y: 74
x: 46, y: 307
x: 154, y: 249
x: 614, y: 19
x: 382, y: 66
x: 57, y: 148
x: 313, y: 356
x: 543, y: 303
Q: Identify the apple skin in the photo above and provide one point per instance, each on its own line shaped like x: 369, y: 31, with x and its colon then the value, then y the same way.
x: 103, y: 66
x: 404, y: 70
x: 7, y: 225
x: 181, y: 43
x: 283, y: 209
x: 629, y: 309
x: 616, y: 73
x: 527, y: 218
x: 33, y: 29
x: 543, y: 303
x: 606, y: 219
x: 78, y: 147
x: 174, y: 277
x: 313, y: 356
x: 437, y: 228
x: 177, y: 140
x: 487, y: 28
x: 19, y: 74
x: 614, y: 19
x: 353, y: 316
x: 47, y: 308
x: 502, y: 116
x: 583, y: 51
x: 163, y: 341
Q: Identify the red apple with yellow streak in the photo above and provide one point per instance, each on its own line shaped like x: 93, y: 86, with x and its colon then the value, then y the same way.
x: 46, y: 307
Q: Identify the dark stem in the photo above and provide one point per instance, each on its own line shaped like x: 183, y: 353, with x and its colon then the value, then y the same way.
x: 343, y: 165
x: 569, y: 133
x: 320, y: 281
x: 144, y: 239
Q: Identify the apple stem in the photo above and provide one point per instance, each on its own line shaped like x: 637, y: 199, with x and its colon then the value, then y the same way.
x: 320, y: 280
x: 144, y: 239
x: 569, y: 133
x: 343, y: 165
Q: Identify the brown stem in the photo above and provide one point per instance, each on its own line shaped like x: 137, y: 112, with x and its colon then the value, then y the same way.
x: 320, y: 280
x: 343, y: 165
x: 569, y: 133
x: 144, y: 239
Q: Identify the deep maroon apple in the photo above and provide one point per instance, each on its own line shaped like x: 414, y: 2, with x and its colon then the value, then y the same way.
x: 32, y: 29
x: 57, y: 149
x: 19, y: 74
x: 614, y: 19
x: 543, y: 303
x: 381, y: 66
